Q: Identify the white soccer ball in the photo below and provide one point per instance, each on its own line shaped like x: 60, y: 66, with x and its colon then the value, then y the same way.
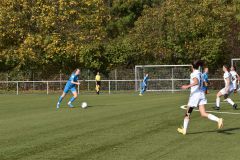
x: 84, y: 105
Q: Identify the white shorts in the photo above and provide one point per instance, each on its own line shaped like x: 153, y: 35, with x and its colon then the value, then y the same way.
x: 235, y: 85
x: 197, y: 99
x: 223, y: 91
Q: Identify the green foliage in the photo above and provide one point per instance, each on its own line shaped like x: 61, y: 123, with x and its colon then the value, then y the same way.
x: 105, y: 34
x: 180, y: 31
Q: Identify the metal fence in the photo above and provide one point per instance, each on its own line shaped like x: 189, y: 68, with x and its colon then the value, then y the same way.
x: 108, y: 86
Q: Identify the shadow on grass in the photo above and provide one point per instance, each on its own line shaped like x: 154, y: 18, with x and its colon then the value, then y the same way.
x: 226, y: 131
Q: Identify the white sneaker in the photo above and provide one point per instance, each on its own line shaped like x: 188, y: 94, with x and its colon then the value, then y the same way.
x: 58, y: 105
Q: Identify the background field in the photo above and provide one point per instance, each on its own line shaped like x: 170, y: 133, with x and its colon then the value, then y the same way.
x: 114, y: 127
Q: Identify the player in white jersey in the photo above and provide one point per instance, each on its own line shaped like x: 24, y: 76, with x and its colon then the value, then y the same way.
x: 197, y: 98
x: 235, y: 78
x: 227, y: 90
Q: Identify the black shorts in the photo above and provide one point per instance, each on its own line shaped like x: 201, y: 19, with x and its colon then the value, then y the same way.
x: 99, y: 83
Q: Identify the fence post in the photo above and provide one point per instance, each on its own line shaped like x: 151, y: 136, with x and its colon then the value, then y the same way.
x: 33, y: 86
x: 60, y: 79
x: 116, y: 83
x: 47, y: 87
x: 7, y: 82
x: 78, y: 88
x: 17, y: 88
x: 88, y: 79
x: 172, y: 82
x: 109, y: 87
x: 136, y: 85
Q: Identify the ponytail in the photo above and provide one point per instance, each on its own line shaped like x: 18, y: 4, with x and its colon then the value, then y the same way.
x: 198, y: 65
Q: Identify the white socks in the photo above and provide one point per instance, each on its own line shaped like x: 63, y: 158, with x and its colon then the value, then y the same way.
x: 213, y: 118
x: 230, y: 101
x: 185, y: 123
x: 218, y: 102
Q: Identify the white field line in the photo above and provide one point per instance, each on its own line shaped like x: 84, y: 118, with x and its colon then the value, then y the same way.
x: 233, y: 113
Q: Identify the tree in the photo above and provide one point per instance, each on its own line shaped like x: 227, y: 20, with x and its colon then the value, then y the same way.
x: 180, y: 31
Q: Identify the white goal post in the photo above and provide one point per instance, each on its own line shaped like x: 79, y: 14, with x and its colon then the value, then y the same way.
x: 162, y: 77
x: 234, y: 60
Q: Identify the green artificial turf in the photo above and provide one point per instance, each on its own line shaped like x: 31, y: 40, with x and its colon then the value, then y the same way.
x: 113, y: 127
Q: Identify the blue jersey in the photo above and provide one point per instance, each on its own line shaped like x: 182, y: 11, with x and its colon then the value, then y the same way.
x: 145, y: 80
x: 205, y: 80
x: 205, y: 77
x: 73, y: 78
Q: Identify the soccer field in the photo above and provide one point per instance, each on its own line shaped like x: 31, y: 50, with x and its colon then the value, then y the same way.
x: 114, y: 127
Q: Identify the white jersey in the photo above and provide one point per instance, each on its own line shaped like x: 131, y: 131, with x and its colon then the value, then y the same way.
x: 231, y: 85
x: 228, y: 75
x: 197, y: 96
x: 234, y: 76
x: 198, y: 75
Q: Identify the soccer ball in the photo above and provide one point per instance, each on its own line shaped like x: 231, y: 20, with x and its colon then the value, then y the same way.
x: 84, y: 105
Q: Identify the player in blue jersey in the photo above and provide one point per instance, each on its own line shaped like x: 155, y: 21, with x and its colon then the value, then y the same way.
x: 144, y: 84
x: 70, y: 86
x: 205, y: 80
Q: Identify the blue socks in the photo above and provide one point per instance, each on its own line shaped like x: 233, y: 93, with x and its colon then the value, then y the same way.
x: 142, y: 90
x: 69, y: 103
x: 72, y: 99
x: 60, y: 99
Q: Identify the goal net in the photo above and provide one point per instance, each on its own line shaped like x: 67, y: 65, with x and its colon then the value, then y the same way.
x: 162, y: 77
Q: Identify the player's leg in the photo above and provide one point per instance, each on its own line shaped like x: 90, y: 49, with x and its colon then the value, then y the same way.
x: 141, y: 89
x: 186, y: 120
x: 210, y: 116
x: 65, y: 91
x: 99, y: 86
x: 219, y: 94
x: 144, y: 88
x: 192, y: 103
x: 74, y: 92
x: 229, y: 100
x: 97, y: 89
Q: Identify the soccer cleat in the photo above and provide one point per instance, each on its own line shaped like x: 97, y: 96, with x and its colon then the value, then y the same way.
x: 220, y: 123
x: 182, y: 131
x: 70, y: 105
x: 216, y: 108
x: 140, y: 94
x: 235, y: 106
x: 58, y: 105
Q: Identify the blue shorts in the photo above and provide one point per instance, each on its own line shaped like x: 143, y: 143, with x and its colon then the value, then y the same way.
x: 204, y: 89
x: 67, y: 88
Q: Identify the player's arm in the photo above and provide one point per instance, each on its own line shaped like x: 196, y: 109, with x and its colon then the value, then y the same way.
x: 206, y: 82
x: 77, y: 83
x: 73, y: 82
x: 195, y: 82
x: 238, y: 79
